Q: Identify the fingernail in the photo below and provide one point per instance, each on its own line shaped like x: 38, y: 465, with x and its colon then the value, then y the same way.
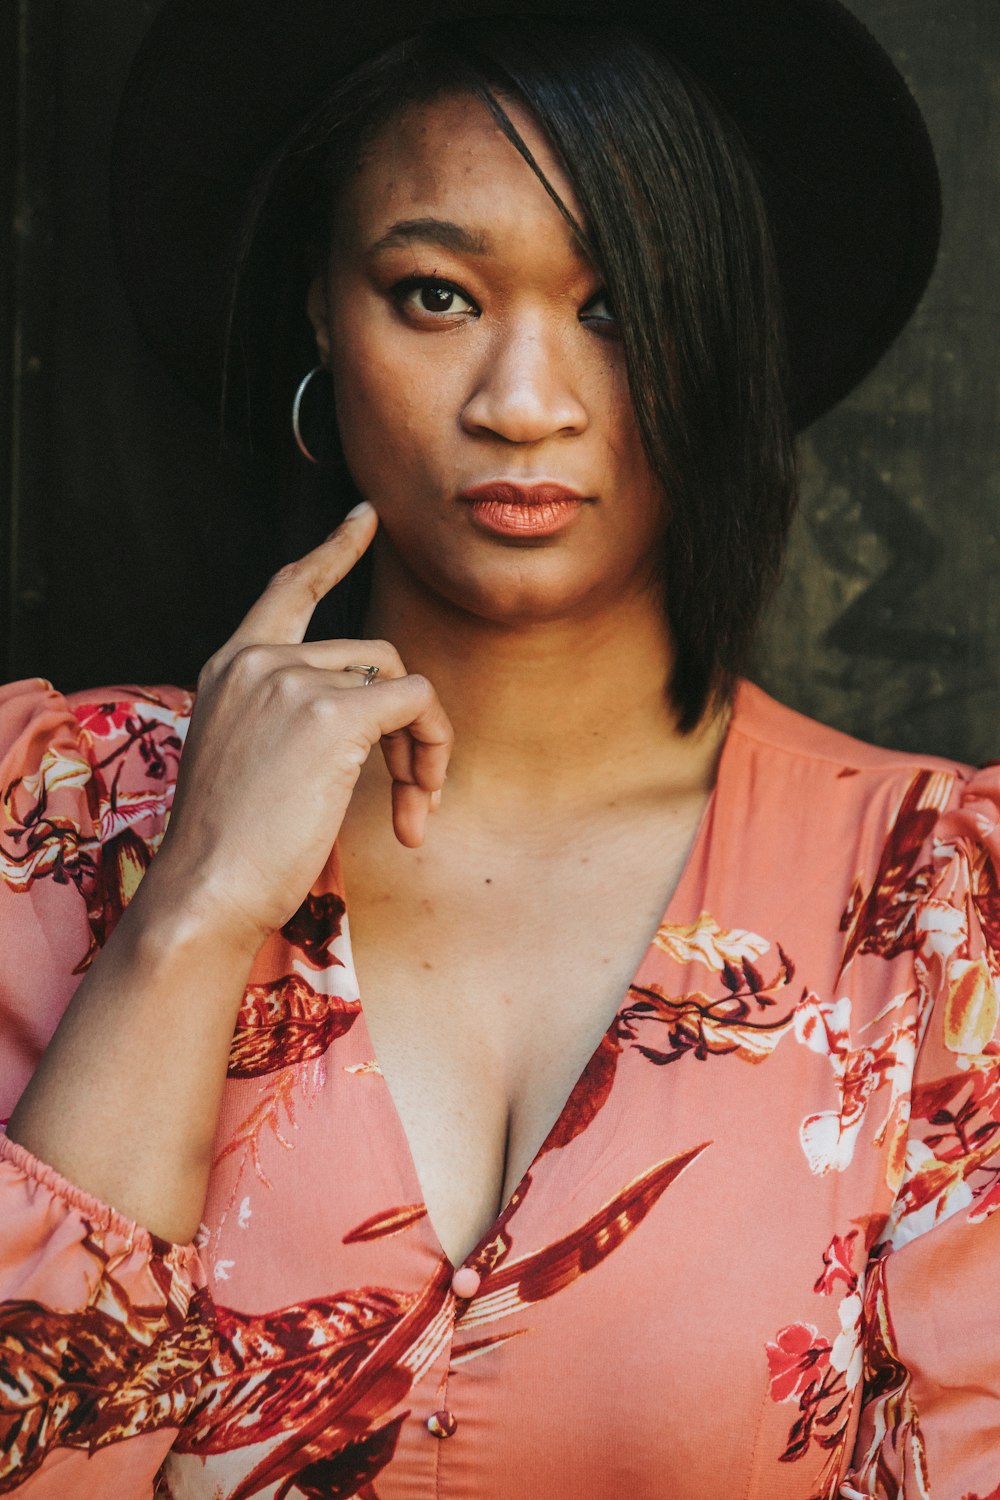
x: 359, y: 510
x: 435, y: 801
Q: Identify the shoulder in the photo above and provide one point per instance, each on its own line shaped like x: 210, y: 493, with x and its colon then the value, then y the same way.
x: 119, y: 717
x: 797, y: 764
x: 86, y: 786
x: 762, y: 720
x: 891, y: 816
x: 922, y: 834
x: 79, y: 770
x: 83, y: 775
x: 36, y: 720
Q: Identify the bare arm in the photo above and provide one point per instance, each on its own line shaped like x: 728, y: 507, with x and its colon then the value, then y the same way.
x: 126, y: 1099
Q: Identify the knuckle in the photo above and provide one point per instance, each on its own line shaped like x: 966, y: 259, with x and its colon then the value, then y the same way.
x: 388, y: 653
x: 211, y: 671
x: 300, y: 697
x: 298, y: 576
x: 249, y: 663
x: 288, y: 686
x: 290, y: 573
x: 321, y: 708
x: 354, y: 751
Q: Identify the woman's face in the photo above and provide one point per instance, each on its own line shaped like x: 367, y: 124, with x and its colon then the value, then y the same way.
x: 470, y: 343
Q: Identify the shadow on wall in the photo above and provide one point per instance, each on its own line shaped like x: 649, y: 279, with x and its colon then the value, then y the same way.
x: 887, y: 623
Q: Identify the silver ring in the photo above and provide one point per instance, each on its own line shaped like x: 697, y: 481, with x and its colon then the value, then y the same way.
x: 369, y: 674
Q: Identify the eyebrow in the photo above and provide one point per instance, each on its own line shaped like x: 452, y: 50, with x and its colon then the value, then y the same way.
x: 441, y: 232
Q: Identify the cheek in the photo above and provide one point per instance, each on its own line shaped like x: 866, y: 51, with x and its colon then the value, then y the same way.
x: 392, y: 416
x: 627, y: 456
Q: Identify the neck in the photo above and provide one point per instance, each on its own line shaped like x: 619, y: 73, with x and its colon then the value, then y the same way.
x: 557, y: 706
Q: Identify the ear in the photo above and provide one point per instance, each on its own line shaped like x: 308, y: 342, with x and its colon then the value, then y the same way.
x: 317, y: 309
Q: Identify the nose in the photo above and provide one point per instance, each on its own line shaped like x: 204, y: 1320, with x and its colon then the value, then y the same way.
x: 525, y: 389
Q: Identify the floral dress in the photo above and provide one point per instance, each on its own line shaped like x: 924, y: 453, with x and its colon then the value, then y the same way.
x: 756, y: 1258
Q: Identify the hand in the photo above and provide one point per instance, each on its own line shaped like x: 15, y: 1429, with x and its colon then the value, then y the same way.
x: 278, y: 737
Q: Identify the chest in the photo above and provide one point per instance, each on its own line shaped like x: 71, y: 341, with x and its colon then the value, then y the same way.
x: 723, y: 1273
x: 717, y: 1268
x: 489, y: 971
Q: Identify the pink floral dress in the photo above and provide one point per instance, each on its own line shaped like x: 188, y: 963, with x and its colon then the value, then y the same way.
x: 756, y: 1258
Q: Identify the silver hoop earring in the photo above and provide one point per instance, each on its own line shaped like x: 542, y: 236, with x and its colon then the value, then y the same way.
x: 296, y: 408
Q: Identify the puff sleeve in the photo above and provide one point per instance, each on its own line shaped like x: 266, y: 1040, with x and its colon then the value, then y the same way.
x: 103, y: 1328
x: 930, y: 1422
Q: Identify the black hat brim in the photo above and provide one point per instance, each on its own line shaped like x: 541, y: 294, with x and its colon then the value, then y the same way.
x: 846, y: 164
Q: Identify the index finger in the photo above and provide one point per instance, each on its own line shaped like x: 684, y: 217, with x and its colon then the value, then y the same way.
x: 282, y: 613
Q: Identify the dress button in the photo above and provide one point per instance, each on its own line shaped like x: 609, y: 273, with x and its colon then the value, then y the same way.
x: 442, y: 1423
x: 465, y: 1283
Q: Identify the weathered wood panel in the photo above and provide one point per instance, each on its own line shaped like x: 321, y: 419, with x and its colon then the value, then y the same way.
x: 888, y: 621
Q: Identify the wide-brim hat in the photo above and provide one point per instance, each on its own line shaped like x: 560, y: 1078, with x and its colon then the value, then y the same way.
x: 845, y: 162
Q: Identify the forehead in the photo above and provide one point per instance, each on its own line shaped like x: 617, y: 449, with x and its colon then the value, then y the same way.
x: 449, y: 158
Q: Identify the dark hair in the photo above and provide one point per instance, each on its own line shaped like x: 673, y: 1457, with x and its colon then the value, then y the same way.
x: 674, y: 221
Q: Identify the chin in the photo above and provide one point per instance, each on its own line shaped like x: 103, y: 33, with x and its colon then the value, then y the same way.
x: 508, y: 586
x: 520, y: 595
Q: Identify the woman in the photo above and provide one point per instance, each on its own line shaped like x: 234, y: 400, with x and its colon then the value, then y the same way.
x: 674, y: 1092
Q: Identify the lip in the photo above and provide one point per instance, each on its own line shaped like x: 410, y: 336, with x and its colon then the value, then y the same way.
x: 507, y: 508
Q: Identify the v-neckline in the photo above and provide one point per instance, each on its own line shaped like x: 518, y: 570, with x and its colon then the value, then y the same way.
x: 675, y: 903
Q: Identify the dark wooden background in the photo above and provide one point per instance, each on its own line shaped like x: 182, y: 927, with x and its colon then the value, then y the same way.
x: 131, y: 545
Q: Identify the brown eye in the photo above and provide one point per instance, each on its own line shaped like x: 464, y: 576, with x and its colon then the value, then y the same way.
x: 599, y: 309
x: 424, y: 294
x: 435, y: 298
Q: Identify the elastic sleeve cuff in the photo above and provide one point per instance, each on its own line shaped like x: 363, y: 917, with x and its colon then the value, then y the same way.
x: 182, y: 1259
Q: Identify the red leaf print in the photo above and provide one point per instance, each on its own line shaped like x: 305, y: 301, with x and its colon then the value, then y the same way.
x: 45, y: 846
x: 591, y: 1093
x: 315, y: 927
x: 534, y: 1277
x: 882, y: 921
x: 754, y: 978
x: 463, y: 1353
x: 102, y: 718
x: 930, y: 1101
x: 284, y: 1023
x: 893, y: 1419
x: 872, y: 1226
x: 88, y: 1379
x: 393, y: 1221
x: 332, y: 1397
x: 123, y: 861
x: 271, y: 1370
x: 347, y: 1472
x: 837, y: 1264
x: 796, y: 1361
x: 987, y: 1202
x: 327, y: 1371
x: 696, y: 1023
